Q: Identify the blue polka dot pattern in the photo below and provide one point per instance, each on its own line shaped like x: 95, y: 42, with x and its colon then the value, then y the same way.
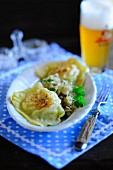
x: 57, y: 148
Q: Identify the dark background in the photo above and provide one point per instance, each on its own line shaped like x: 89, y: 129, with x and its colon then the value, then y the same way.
x: 52, y: 20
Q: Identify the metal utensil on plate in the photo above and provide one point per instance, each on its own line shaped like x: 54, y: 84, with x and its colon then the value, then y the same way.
x: 85, y: 134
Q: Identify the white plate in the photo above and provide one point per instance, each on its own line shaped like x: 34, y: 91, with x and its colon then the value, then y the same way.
x: 27, y: 79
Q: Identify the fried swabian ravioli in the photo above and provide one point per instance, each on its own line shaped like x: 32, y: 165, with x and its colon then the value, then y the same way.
x: 71, y: 70
x: 65, y: 71
x: 39, y: 106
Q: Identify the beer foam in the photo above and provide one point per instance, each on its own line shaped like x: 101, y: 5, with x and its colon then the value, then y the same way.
x: 95, y: 16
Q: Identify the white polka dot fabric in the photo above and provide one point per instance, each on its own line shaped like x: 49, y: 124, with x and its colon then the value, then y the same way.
x: 57, y: 148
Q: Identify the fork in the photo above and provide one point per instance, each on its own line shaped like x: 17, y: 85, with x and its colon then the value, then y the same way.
x: 86, y: 132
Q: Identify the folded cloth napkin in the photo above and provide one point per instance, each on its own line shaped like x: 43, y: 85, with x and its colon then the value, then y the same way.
x: 57, y: 148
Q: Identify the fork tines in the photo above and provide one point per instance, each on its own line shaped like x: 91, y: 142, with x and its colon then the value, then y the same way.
x: 104, y: 93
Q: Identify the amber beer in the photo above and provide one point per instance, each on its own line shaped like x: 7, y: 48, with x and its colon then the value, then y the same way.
x: 95, y: 35
x: 95, y: 45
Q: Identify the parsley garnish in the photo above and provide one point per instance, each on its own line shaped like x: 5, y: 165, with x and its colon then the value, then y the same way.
x: 52, y: 89
x: 79, y: 90
x: 48, y: 80
x: 78, y: 99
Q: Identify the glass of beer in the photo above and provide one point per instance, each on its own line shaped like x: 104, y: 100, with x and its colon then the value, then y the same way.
x: 96, y: 33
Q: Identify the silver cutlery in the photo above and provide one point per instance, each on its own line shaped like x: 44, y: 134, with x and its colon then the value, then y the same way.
x: 86, y: 132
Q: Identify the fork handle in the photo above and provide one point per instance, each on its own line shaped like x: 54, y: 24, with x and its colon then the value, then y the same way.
x: 85, y: 134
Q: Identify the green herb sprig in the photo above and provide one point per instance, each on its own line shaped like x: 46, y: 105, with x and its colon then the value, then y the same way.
x: 78, y: 99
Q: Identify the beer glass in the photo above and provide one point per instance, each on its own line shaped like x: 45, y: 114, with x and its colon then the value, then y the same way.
x: 96, y: 33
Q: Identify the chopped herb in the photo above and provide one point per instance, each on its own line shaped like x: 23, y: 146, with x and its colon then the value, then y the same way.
x: 45, y: 80
x: 68, y: 82
x: 53, y: 89
x: 48, y: 80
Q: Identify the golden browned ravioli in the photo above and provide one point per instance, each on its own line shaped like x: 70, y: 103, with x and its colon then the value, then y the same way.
x: 38, y: 105
x: 71, y: 70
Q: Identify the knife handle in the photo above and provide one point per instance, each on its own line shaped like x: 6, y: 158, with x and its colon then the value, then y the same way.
x: 85, y: 134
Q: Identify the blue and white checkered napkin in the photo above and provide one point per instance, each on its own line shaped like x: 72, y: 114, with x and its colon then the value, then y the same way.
x: 57, y: 148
